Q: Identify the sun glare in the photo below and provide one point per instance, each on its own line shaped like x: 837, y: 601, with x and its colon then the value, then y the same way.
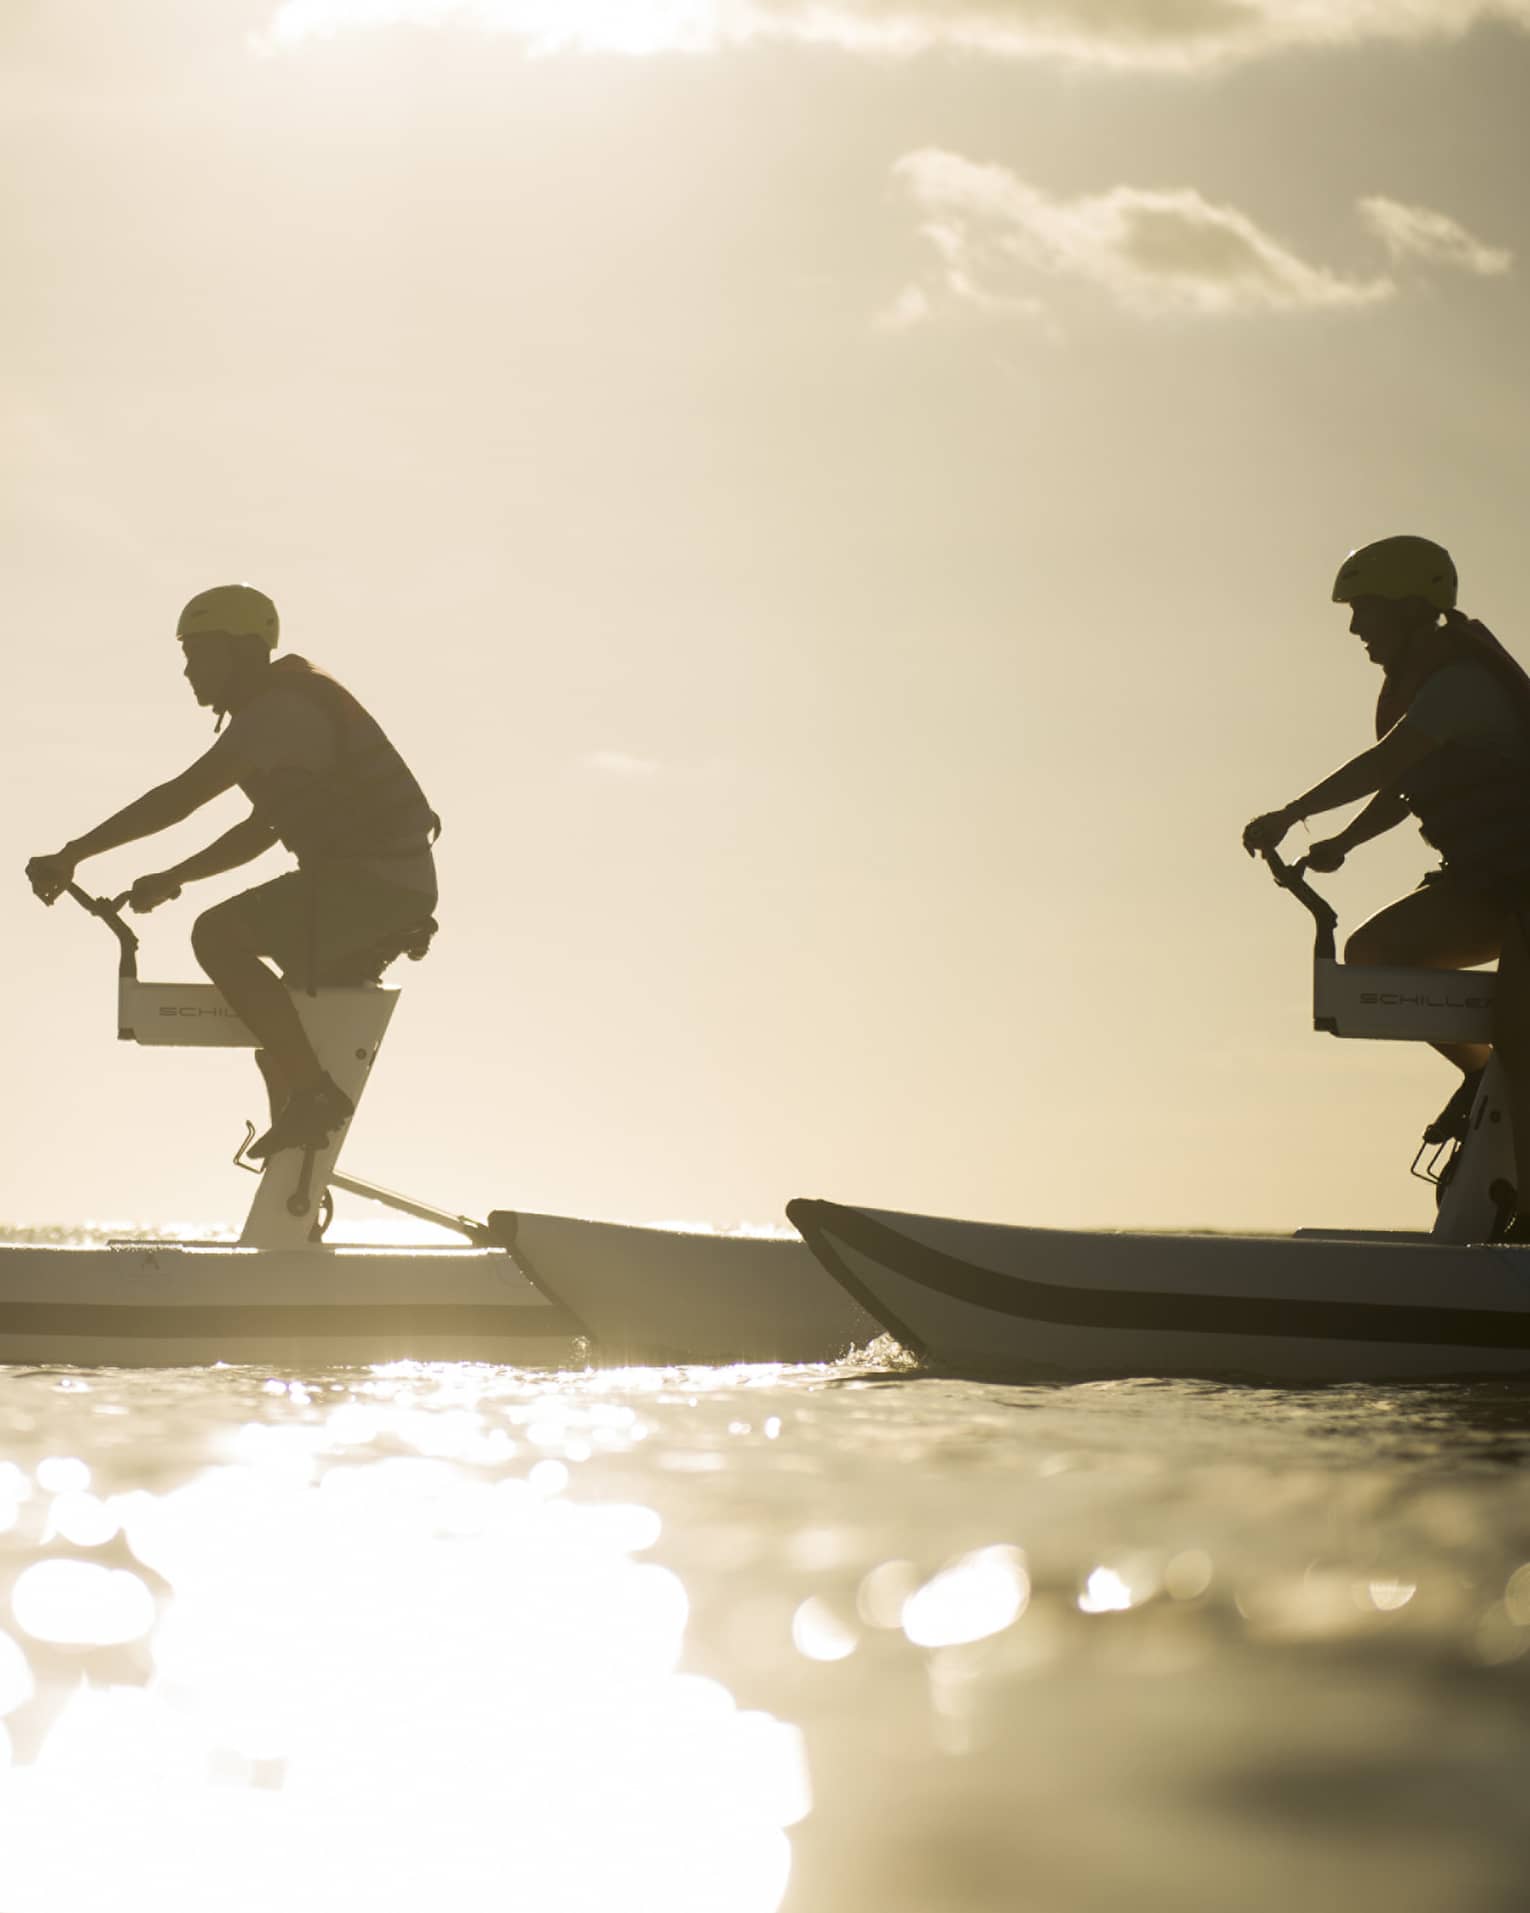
x: 381, y: 1640
x: 634, y: 27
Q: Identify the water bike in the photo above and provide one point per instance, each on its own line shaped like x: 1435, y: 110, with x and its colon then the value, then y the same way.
x: 1319, y: 1306
x: 515, y: 1288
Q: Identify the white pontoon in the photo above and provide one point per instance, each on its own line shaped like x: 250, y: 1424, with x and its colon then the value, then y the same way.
x: 1322, y: 1305
x: 520, y: 1288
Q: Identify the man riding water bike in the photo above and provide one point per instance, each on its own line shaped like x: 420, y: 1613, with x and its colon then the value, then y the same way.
x: 324, y: 781
x: 1453, y: 751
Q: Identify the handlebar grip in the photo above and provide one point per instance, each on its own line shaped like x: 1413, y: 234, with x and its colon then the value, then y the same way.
x: 107, y: 910
x: 1293, y: 877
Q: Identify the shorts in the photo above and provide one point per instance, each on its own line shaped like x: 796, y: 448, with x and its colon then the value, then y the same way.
x: 333, y: 925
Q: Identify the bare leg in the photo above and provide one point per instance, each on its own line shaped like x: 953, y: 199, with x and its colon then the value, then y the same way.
x: 1511, y: 1039
x: 256, y: 995
x: 278, y: 1089
x: 1437, y: 928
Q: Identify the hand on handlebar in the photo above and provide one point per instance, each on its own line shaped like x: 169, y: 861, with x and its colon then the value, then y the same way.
x: 148, y: 893
x: 1265, y: 832
x: 1329, y: 854
x: 50, y: 876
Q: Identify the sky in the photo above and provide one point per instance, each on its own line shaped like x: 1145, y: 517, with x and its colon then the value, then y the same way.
x: 837, y: 501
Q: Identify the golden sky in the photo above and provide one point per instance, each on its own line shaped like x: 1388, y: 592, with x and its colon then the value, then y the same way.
x: 836, y: 501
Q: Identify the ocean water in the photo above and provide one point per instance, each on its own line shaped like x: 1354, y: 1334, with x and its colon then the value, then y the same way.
x: 840, y: 1639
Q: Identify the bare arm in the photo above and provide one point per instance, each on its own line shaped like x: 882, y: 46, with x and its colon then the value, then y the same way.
x: 158, y: 809
x: 245, y: 841
x: 241, y: 845
x: 1375, y: 772
x: 1384, y: 812
x: 167, y: 804
x: 1372, y: 772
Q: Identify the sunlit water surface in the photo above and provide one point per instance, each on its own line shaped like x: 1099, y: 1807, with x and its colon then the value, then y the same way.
x: 732, y: 1640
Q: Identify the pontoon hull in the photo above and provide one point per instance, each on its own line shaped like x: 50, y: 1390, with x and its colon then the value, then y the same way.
x: 155, y: 1305
x: 1040, y: 1304
x: 558, y: 1290
x: 670, y: 1295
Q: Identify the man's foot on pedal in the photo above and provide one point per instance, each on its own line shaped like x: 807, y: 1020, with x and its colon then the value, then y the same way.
x: 307, y: 1120
x: 1450, y: 1124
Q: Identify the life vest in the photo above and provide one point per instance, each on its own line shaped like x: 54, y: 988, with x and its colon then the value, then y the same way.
x: 367, y: 804
x: 1472, y: 803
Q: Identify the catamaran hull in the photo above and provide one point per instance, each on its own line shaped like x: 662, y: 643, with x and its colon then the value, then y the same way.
x: 154, y: 1305
x: 1047, y: 1304
x: 648, y: 1294
x: 558, y: 1290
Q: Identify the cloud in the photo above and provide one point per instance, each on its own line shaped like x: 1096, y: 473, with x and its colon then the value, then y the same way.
x: 911, y: 307
x: 632, y: 27
x: 1164, y: 34
x: 1169, y: 34
x: 619, y: 764
x: 1414, y: 232
x: 1154, y: 253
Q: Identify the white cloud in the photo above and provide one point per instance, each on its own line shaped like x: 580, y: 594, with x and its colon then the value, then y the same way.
x: 910, y: 308
x: 1173, y: 34
x: 1414, y: 232
x: 545, y: 26
x: 1151, y: 252
x: 1167, y: 34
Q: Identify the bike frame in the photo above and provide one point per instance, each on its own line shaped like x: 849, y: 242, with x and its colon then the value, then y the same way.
x: 346, y: 1028
x: 1395, y: 1004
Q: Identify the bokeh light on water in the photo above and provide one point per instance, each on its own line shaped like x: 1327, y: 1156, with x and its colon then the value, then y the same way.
x: 376, y: 1649
x: 800, y: 1640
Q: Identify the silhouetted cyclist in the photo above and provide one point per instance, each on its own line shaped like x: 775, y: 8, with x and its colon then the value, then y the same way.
x: 323, y: 780
x: 1453, y: 750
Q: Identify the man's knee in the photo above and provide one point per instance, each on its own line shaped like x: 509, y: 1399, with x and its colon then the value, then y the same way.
x: 218, y: 934
x: 1363, y: 946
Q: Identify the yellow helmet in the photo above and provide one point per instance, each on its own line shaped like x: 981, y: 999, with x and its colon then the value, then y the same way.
x: 1402, y: 567
x: 239, y: 610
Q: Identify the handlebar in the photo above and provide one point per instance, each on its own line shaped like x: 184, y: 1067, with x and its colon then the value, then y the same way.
x: 1293, y: 877
x: 109, y: 911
